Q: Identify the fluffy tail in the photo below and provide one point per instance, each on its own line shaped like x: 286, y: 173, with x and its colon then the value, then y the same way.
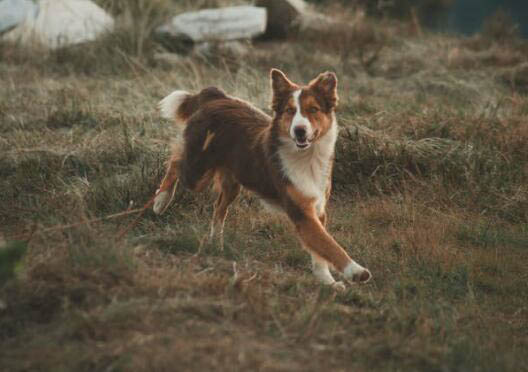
x: 181, y: 105
x: 170, y: 106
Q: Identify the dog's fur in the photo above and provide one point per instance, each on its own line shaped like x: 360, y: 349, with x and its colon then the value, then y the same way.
x: 287, y: 160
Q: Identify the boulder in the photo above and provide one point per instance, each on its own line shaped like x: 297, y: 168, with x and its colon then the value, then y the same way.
x: 230, y: 53
x: 169, y: 59
x: 315, y: 22
x: 233, y: 49
x: 63, y: 22
x: 282, y: 16
x: 223, y: 24
x: 13, y: 12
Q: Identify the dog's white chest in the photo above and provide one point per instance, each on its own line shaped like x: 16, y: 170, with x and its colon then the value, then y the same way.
x: 311, y: 180
x: 309, y: 170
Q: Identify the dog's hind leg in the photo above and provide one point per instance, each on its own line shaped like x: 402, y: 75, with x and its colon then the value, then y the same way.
x: 167, y: 189
x: 228, y: 189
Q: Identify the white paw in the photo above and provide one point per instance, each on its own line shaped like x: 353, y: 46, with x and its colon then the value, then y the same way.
x: 357, y: 273
x: 338, y: 286
x: 362, y: 277
x: 160, y: 201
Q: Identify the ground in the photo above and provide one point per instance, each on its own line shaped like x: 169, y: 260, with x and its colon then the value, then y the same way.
x: 430, y: 193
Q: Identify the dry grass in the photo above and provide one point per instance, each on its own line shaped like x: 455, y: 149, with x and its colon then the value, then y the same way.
x: 430, y: 193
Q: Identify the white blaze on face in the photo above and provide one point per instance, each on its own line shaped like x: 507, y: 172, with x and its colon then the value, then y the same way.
x: 298, y: 119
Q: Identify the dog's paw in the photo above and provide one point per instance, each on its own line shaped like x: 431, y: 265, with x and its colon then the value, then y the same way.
x: 161, y: 201
x: 338, y: 286
x: 362, y: 277
x: 357, y: 273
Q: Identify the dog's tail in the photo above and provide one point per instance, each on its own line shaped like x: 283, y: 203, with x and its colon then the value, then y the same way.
x: 181, y: 105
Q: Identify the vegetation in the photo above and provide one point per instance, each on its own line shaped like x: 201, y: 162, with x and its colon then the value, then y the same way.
x: 430, y: 193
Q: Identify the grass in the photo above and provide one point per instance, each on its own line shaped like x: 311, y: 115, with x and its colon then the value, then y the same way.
x: 430, y: 193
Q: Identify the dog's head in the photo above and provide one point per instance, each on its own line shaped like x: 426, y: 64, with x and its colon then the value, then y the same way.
x: 304, y: 113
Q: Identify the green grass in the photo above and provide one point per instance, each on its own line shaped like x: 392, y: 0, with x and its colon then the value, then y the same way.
x: 487, y: 236
x: 430, y: 193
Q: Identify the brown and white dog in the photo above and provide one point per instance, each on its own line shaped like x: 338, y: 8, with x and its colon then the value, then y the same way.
x: 287, y: 160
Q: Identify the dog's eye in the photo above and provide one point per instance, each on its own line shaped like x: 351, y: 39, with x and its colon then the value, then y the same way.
x: 290, y: 110
x: 313, y: 110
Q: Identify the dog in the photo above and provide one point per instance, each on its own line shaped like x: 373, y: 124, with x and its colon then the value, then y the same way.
x: 286, y: 160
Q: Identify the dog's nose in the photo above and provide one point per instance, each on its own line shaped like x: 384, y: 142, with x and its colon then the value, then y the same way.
x: 300, y: 132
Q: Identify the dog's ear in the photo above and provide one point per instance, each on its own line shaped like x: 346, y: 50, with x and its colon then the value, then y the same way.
x: 279, y: 81
x: 326, y: 85
x: 281, y: 87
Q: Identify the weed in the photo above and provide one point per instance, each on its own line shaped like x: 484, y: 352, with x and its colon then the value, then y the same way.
x: 486, y: 236
x: 10, y: 255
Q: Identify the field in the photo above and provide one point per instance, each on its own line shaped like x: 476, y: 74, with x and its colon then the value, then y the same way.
x: 430, y: 193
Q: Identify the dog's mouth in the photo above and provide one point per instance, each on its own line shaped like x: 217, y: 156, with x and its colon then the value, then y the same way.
x: 302, y: 144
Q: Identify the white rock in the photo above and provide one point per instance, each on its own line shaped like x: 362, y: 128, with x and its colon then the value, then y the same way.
x: 13, y: 12
x: 63, y: 22
x: 230, y: 23
x: 234, y: 49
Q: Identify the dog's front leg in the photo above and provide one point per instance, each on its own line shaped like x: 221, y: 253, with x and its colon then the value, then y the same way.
x: 318, y: 242
x: 322, y: 272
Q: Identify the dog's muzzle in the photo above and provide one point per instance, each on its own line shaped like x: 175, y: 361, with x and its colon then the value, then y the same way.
x: 301, y: 137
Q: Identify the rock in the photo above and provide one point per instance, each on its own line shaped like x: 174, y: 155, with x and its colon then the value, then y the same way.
x: 63, y: 22
x: 13, y: 12
x: 231, y: 54
x: 282, y: 16
x: 315, y: 22
x: 230, y: 23
x: 169, y: 59
x: 288, y: 16
x: 233, y: 49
